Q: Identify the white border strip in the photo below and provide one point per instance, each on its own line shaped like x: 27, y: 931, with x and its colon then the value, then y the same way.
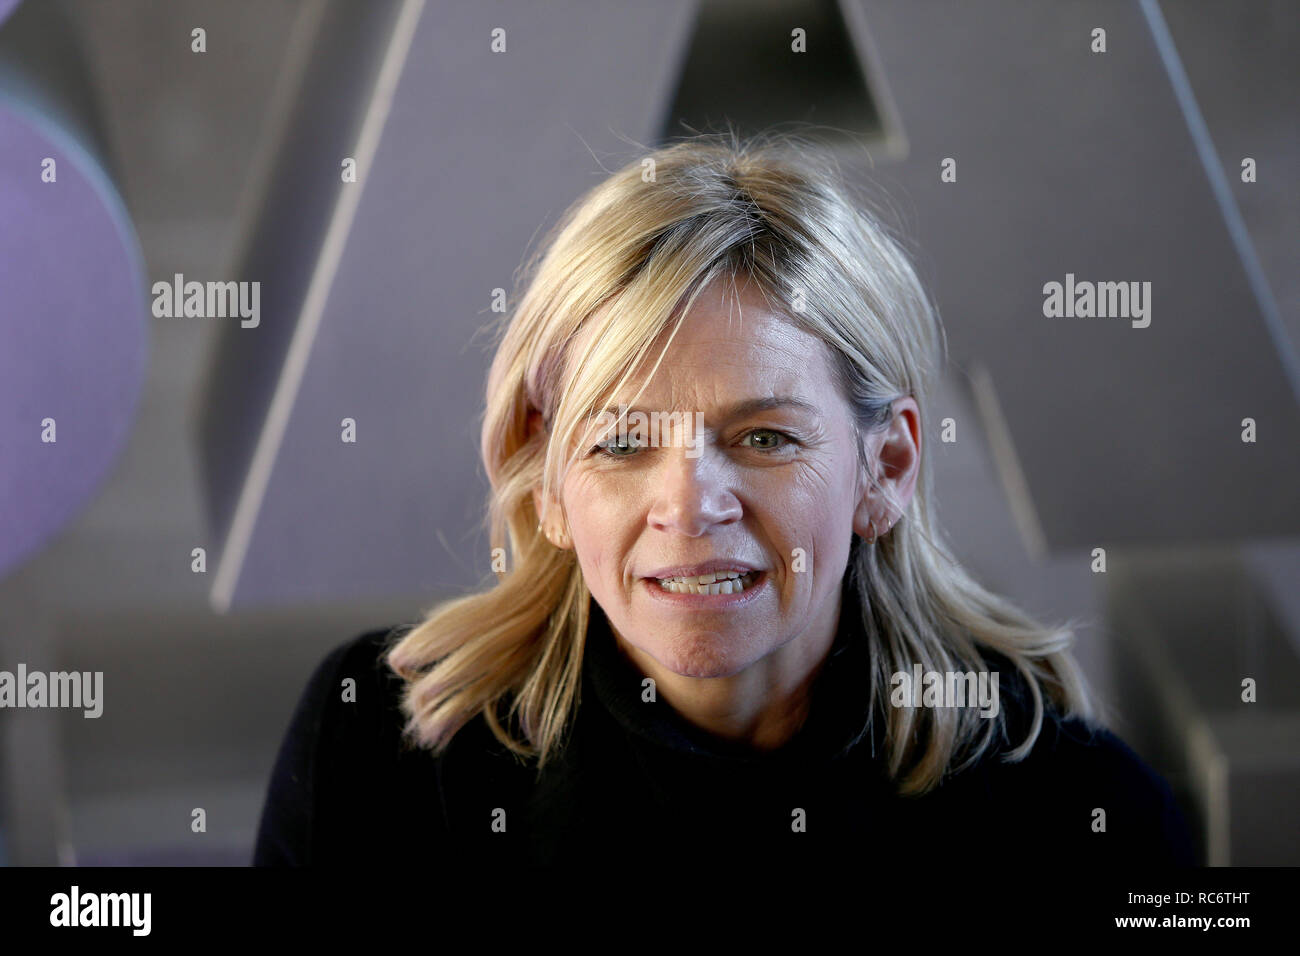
x: 253, y: 491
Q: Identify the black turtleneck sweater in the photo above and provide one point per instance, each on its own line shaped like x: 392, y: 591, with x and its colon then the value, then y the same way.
x: 636, y: 781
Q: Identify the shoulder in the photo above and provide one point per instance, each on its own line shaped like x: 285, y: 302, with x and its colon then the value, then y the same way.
x: 1064, y: 743
x: 1068, y: 746
x: 1090, y: 787
x: 1084, y: 782
x: 1073, y: 749
x: 346, y: 728
x: 362, y: 654
x: 357, y: 700
x: 361, y: 659
x: 351, y: 686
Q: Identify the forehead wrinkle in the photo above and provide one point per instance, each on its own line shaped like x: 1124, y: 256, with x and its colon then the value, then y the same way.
x: 689, y: 390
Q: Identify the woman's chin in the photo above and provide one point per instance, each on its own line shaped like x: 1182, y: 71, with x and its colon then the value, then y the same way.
x: 704, y: 655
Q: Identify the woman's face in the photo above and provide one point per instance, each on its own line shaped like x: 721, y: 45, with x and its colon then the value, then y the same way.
x: 772, y: 490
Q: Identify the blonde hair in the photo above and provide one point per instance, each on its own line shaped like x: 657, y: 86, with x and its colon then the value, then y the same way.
x: 774, y: 209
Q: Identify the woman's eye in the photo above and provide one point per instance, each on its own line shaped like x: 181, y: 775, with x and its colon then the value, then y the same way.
x: 769, y: 439
x: 764, y: 439
x: 614, y: 449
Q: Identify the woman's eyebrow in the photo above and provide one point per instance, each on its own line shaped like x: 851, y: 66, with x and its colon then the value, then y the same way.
x: 749, y: 406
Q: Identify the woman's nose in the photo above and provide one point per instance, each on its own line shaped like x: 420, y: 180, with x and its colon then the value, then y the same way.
x: 692, y: 492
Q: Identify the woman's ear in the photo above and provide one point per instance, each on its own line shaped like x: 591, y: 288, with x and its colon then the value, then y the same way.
x: 895, y: 452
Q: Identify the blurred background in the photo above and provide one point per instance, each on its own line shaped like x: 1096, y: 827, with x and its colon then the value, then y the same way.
x: 199, y: 532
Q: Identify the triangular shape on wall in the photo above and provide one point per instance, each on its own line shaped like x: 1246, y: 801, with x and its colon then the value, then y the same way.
x: 741, y: 70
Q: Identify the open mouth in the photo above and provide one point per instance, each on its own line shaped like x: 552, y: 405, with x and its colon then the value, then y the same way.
x: 722, y: 582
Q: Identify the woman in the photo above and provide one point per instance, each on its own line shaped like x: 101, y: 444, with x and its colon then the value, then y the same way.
x: 724, y: 618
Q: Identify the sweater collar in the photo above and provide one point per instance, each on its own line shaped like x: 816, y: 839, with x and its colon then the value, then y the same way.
x: 837, y: 722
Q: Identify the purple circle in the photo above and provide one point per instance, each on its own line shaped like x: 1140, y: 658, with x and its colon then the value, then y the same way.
x: 73, y: 333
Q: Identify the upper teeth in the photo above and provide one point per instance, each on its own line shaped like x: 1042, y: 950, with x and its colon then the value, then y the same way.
x: 719, y: 582
x: 706, y: 578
